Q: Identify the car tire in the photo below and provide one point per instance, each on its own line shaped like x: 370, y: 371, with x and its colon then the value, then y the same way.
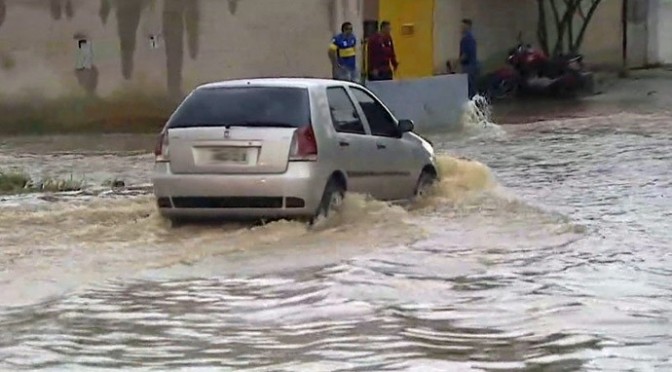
x: 332, y: 200
x: 425, y: 183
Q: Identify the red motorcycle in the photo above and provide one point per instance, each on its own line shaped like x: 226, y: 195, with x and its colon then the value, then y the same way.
x: 530, y: 71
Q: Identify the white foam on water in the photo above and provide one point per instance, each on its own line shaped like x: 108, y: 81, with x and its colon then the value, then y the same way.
x: 477, y: 119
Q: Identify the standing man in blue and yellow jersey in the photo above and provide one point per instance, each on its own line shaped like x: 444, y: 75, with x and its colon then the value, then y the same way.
x: 343, y: 54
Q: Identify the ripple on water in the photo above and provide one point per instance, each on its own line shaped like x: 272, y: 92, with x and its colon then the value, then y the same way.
x: 472, y: 278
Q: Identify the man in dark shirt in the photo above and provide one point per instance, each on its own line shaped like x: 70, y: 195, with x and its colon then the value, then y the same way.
x: 381, y: 58
x: 469, y: 56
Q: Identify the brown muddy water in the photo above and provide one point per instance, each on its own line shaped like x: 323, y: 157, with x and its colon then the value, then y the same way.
x: 556, y: 256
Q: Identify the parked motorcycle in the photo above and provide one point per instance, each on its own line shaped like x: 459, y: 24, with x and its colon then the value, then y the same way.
x: 531, y: 71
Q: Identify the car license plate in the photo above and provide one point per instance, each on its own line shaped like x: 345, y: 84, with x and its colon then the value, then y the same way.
x: 229, y: 155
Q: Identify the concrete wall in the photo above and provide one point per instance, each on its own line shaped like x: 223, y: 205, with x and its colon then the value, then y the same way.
x: 665, y: 32
x: 603, y: 44
x: 434, y: 103
x: 195, y: 41
x: 659, y: 27
x: 638, y: 35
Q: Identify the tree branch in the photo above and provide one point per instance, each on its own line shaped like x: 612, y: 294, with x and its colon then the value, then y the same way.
x: 584, y: 27
x: 542, y: 27
x: 561, y: 27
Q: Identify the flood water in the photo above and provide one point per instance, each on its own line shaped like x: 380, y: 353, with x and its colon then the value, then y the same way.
x: 550, y: 251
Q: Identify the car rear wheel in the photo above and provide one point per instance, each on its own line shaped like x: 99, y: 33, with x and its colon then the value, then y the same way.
x: 426, y: 181
x: 332, y: 201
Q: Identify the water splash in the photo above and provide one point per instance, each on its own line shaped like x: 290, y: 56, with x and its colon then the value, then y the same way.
x: 479, y: 110
x: 477, y: 119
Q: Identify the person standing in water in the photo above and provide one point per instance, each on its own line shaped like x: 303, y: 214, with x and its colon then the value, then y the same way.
x: 469, y: 56
x: 343, y: 54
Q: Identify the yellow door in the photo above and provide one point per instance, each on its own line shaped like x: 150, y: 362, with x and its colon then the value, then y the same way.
x: 413, y: 35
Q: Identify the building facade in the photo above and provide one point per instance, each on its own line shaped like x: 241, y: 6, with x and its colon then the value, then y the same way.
x: 61, y: 47
x: 427, y: 32
x: 54, y: 48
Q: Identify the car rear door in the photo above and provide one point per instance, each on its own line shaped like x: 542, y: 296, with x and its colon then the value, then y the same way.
x: 391, y: 157
x: 352, y: 140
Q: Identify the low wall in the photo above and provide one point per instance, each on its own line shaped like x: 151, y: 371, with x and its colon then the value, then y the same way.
x: 434, y: 104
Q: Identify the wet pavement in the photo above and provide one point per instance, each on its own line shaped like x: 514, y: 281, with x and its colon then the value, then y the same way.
x: 553, y: 257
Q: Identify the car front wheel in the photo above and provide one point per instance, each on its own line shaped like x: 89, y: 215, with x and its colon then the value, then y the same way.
x: 426, y: 181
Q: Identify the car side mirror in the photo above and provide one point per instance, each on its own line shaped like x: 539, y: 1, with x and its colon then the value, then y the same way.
x: 406, y: 126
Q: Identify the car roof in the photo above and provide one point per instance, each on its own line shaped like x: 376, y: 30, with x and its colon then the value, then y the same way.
x: 278, y: 82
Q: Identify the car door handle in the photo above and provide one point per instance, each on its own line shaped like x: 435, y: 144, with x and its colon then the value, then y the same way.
x: 380, y: 146
x: 343, y: 143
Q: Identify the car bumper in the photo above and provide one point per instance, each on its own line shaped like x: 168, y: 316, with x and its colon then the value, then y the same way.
x: 293, y: 194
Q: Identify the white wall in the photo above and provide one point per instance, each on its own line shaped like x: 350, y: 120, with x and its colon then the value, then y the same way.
x: 664, y: 39
x: 447, y: 16
x: 659, y: 26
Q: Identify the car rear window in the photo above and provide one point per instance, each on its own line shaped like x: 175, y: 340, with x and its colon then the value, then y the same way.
x: 244, y: 106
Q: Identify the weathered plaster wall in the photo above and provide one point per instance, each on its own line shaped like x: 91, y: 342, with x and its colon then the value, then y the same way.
x: 145, y: 54
x: 159, y: 45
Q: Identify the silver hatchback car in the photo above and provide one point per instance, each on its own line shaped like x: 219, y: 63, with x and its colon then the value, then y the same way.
x: 284, y: 148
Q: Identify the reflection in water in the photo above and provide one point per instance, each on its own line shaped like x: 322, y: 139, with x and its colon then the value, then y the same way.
x: 179, y: 15
x: 128, y: 20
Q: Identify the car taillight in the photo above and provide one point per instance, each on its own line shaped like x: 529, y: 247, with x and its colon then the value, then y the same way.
x: 304, y: 145
x: 161, y: 148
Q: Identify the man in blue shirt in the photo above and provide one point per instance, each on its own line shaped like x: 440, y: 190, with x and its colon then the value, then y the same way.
x: 343, y: 54
x: 469, y: 56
